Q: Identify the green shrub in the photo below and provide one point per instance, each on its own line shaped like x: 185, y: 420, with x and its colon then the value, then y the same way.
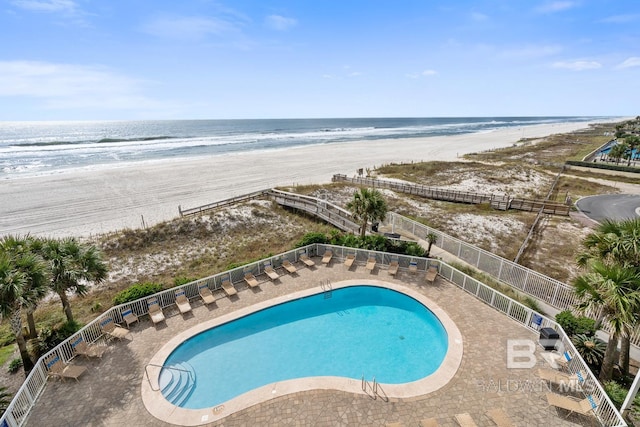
x: 311, y: 238
x: 15, y: 365
x: 573, y: 325
x: 135, y: 292
x: 616, y: 392
x: 49, y: 338
x: 607, y: 166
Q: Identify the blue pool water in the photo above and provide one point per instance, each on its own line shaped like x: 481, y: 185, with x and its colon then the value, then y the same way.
x: 357, y: 330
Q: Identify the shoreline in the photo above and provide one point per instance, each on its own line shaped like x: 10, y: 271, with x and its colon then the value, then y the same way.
x: 88, y: 202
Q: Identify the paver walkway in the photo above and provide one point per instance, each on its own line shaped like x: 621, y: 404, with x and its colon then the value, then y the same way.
x: 109, y: 393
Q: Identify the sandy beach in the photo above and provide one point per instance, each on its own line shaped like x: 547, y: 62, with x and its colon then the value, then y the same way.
x: 89, y: 202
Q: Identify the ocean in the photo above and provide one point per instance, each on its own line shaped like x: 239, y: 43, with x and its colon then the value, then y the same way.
x: 40, y: 148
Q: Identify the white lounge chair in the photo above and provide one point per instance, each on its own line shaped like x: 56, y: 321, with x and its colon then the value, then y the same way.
x: 431, y: 275
x: 307, y: 261
x: 500, y: 417
x: 572, y: 404
x: 228, y: 288
x: 129, y: 317
x: 58, y: 369
x: 288, y: 266
x: 82, y: 348
x: 349, y: 260
x: 182, y: 301
x: 393, y: 268
x: 206, y: 294
x: 413, y: 267
x: 273, y: 275
x: 113, y: 330
x: 371, y: 263
x: 465, y: 420
x: 155, y: 312
x: 326, y: 258
x: 251, y: 280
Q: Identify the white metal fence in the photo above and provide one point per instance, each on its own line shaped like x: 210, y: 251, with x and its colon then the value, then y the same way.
x: 26, y: 397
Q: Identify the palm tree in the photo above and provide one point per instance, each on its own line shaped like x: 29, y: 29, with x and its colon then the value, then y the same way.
x: 72, y: 266
x: 5, y: 399
x: 19, y: 272
x: 633, y: 142
x: 431, y: 239
x: 367, y: 205
x: 611, y: 290
x: 618, y: 152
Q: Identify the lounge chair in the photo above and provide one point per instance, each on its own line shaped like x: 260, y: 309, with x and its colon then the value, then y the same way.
x: 429, y: 422
x: 251, y: 280
x: 182, y: 301
x: 413, y: 267
x: 58, y: 369
x: 348, y: 261
x: 326, y: 258
x: 228, y: 288
x: 371, y: 263
x: 431, y: 275
x: 288, y: 266
x: 307, y: 261
x: 563, y: 379
x: 113, y: 330
x: 81, y: 348
x: 465, y: 420
x: 129, y: 317
x: 393, y: 268
x: 572, y: 404
x: 394, y: 425
x: 500, y: 417
x: 206, y: 294
x: 273, y: 275
x: 155, y: 312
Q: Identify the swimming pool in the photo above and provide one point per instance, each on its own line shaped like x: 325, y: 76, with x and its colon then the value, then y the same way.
x: 306, y: 341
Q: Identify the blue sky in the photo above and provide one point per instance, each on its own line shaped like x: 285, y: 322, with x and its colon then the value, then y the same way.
x: 159, y: 59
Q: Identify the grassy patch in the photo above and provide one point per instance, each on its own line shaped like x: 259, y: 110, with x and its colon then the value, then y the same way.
x: 6, y: 353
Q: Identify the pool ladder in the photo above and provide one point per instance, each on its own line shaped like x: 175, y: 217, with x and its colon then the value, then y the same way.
x: 326, y: 288
x: 373, y: 389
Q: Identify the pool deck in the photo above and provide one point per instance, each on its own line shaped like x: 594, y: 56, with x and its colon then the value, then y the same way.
x: 109, y: 393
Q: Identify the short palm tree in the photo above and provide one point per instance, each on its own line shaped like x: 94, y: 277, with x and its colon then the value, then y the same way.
x: 432, y: 238
x: 72, y: 266
x: 612, y: 291
x: 367, y: 205
x: 18, y: 272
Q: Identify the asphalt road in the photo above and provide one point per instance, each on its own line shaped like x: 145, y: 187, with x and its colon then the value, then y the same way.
x: 610, y: 206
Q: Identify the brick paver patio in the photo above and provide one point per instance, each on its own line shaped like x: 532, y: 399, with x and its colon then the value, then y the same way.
x: 109, y: 393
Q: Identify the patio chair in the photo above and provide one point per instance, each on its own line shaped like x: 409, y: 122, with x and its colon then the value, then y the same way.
x: 348, y: 261
x: 58, y: 369
x: 155, y: 312
x: 289, y: 267
x: 206, y: 294
x: 500, y: 418
x: 129, y: 317
x: 393, y: 268
x: 371, y: 263
x: 228, y: 288
x: 572, y: 404
x: 251, y: 280
x: 273, y: 275
x: 465, y: 420
x: 429, y: 422
x: 413, y: 267
x: 561, y: 378
x: 182, y: 301
x: 307, y: 261
x: 431, y: 275
x: 81, y: 348
x: 326, y: 258
x: 113, y: 330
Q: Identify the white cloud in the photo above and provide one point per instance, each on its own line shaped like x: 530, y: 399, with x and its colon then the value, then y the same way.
x: 425, y: 73
x: 556, y: 6
x: 188, y: 27
x: 280, y: 23
x: 577, y: 65
x: 631, y: 62
x: 70, y: 85
x: 429, y: 73
x: 46, y: 5
x: 622, y: 19
x: 355, y: 74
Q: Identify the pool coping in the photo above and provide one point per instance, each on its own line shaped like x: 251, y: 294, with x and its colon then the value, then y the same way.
x: 160, y: 408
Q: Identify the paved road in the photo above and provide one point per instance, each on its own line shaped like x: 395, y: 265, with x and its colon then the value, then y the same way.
x: 610, y: 206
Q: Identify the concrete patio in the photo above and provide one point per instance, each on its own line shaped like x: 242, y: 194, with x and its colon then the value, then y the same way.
x: 109, y: 393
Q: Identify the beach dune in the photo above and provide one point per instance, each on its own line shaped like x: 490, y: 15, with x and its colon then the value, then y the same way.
x: 89, y: 202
